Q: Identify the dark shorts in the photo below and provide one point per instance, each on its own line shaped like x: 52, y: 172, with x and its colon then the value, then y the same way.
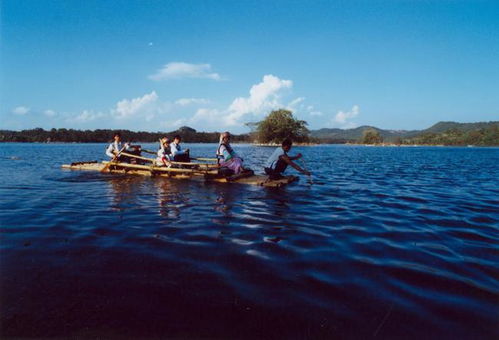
x: 182, y: 158
x: 277, y: 172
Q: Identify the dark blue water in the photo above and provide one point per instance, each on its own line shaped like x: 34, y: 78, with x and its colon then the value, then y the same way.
x: 385, y: 242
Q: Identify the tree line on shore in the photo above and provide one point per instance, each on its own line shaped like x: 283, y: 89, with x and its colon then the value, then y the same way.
x: 274, y: 128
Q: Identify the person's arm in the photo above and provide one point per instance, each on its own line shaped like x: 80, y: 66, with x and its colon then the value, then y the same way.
x: 180, y: 152
x: 109, y: 150
x: 298, y: 156
x: 289, y: 161
x: 225, y: 153
x: 173, y: 149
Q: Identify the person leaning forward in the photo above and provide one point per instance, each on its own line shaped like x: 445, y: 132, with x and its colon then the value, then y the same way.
x: 279, y: 161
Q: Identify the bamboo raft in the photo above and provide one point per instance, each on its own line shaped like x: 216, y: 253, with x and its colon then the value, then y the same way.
x: 178, y: 170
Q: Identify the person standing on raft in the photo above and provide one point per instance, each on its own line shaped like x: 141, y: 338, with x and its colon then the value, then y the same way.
x: 279, y: 161
x: 178, y: 154
x: 227, y: 157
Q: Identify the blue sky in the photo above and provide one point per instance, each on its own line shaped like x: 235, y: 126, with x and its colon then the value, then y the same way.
x: 216, y: 65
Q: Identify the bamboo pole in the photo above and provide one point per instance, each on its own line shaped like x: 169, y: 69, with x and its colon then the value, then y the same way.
x: 152, y: 160
x: 164, y: 169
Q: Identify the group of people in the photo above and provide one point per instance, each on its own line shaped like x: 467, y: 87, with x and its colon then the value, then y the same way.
x: 274, y: 167
x: 173, y: 151
x: 228, y: 160
x: 167, y: 151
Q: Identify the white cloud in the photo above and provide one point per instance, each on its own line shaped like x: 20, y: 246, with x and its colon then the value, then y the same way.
x: 21, y: 110
x: 145, y: 105
x: 190, y: 101
x: 177, y: 70
x: 295, y: 103
x: 87, y: 116
x: 49, y: 113
x: 211, y: 116
x: 315, y: 113
x: 343, y: 118
x: 264, y: 96
x: 311, y: 111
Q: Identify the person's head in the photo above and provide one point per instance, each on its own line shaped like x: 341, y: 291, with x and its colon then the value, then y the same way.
x: 225, y: 137
x: 287, y: 144
x: 177, y: 139
x: 117, y: 137
x: 165, y: 141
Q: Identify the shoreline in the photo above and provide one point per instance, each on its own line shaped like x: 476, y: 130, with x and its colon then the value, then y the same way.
x: 278, y: 144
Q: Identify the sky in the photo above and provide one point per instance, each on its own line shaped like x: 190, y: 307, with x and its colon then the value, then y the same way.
x: 216, y: 65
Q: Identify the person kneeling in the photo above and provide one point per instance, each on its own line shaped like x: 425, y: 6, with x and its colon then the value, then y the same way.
x: 279, y: 161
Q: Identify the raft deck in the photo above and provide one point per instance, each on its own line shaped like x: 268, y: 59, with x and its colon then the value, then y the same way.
x: 210, y: 175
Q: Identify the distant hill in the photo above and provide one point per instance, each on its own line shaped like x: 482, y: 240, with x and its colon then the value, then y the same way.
x: 352, y: 135
x: 442, y: 133
x: 464, y: 127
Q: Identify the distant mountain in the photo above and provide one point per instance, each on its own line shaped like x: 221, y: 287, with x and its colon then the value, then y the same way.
x: 340, y: 135
x: 350, y: 135
x: 465, y: 127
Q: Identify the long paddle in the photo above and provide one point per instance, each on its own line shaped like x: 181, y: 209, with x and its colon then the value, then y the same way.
x: 302, y: 161
x: 193, y: 158
x: 106, y: 167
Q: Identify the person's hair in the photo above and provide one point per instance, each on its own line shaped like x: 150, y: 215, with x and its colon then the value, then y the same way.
x: 177, y: 137
x: 287, y: 142
x: 222, y: 135
x: 117, y: 134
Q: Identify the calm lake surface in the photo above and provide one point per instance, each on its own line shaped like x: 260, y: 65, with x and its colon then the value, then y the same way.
x: 385, y: 242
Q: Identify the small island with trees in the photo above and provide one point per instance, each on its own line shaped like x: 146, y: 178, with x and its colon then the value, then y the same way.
x: 280, y: 124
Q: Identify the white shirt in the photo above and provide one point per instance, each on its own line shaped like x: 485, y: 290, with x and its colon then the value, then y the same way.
x: 272, y: 161
x: 115, y: 146
x: 162, y: 153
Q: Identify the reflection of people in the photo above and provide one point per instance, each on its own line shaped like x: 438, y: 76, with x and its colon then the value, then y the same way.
x: 279, y: 161
x: 227, y: 157
x: 178, y: 154
x: 164, y: 152
x: 116, y: 146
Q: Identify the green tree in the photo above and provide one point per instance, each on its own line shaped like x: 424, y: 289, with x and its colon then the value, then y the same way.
x: 371, y: 136
x: 281, y: 124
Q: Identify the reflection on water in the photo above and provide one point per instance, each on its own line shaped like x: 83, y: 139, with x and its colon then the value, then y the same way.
x: 385, y: 242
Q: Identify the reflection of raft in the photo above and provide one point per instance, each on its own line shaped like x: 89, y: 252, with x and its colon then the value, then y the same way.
x: 182, y: 170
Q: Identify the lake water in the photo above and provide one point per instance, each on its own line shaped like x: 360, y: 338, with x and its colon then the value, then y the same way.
x: 384, y: 242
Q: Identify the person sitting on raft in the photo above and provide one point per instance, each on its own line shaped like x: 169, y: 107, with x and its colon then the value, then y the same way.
x: 178, y: 154
x: 116, y: 147
x: 164, y: 152
x: 279, y: 161
x: 227, y: 157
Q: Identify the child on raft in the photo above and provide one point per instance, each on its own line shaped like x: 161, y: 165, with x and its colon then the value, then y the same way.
x: 279, y: 161
x: 164, y: 153
x: 227, y: 157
